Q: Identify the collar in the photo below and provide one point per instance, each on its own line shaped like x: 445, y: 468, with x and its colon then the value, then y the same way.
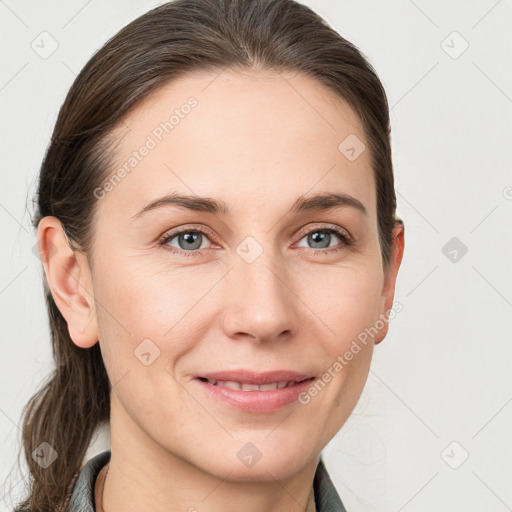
x: 327, y: 498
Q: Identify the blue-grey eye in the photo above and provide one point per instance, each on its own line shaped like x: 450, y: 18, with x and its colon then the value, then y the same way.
x: 320, y: 239
x: 187, y: 240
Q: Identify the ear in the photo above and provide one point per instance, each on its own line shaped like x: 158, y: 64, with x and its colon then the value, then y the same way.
x: 388, y: 290
x: 69, y: 279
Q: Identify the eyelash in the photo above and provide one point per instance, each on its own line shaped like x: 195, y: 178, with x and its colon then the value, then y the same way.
x: 341, y: 233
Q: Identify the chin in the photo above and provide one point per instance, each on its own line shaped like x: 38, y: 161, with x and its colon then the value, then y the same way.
x: 250, y: 464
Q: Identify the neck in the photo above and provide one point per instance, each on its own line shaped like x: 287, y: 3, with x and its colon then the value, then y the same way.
x: 142, y: 475
x: 142, y: 490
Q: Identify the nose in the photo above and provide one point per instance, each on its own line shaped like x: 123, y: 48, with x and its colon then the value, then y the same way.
x: 259, y: 306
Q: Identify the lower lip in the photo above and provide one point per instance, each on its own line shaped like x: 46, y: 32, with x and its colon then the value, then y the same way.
x: 256, y: 401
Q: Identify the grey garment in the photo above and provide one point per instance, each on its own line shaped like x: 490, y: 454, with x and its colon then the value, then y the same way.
x: 82, y: 497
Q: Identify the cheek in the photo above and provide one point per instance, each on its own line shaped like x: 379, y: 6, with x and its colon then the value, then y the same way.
x: 343, y: 302
x: 140, y: 344
x: 150, y: 299
x: 347, y: 303
x: 150, y: 309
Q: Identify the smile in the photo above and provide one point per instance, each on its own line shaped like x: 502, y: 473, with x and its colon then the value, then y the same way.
x: 244, y: 386
x: 266, y: 393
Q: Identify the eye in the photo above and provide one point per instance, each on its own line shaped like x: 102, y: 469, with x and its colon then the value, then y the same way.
x: 187, y: 241
x: 321, y: 238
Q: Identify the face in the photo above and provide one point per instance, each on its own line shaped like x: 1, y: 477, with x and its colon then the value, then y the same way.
x: 247, y: 275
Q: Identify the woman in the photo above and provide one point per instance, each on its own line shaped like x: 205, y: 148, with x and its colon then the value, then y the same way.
x: 216, y: 221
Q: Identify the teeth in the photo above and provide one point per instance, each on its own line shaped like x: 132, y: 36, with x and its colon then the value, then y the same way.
x: 229, y: 384
x: 249, y: 387
x: 252, y: 387
x: 270, y: 386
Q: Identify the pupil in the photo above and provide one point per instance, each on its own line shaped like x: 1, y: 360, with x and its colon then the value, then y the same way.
x: 190, y: 238
x: 319, y: 237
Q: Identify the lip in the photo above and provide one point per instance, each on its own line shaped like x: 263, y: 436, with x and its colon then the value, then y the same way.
x: 255, y: 401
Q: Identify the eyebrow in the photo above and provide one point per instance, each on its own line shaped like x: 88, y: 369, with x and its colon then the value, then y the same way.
x: 317, y: 202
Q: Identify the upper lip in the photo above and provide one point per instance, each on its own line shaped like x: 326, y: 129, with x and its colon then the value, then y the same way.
x: 252, y: 377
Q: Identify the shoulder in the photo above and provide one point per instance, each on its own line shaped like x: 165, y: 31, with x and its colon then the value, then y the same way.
x: 82, y: 495
x: 327, y: 498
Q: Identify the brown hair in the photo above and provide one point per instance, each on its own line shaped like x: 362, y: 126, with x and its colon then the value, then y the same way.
x: 170, y: 40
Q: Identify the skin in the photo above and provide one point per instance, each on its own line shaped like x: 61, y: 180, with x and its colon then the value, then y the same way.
x: 172, y: 447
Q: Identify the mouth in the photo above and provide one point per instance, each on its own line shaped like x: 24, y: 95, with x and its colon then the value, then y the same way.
x: 254, y: 392
x: 246, y: 386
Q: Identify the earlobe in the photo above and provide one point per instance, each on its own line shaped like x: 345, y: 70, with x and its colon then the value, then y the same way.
x: 68, y: 275
x: 388, y: 291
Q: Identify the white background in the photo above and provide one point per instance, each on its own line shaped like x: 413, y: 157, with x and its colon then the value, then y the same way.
x: 443, y: 373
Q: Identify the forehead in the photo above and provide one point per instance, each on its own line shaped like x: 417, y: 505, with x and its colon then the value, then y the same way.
x: 249, y: 138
